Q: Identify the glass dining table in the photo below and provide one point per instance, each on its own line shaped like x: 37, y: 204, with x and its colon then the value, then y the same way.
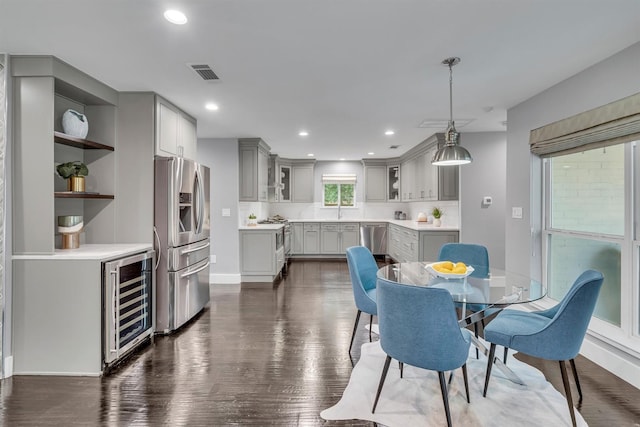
x: 485, y: 296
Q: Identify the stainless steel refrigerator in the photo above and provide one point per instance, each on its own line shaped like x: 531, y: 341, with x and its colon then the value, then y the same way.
x: 181, y: 218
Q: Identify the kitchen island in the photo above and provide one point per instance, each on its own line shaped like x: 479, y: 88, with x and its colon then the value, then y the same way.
x: 262, y: 252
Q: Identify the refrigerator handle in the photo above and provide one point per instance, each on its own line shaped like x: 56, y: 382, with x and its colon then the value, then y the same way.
x: 191, y: 273
x: 155, y: 233
x: 199, y: 201
x: 188, y: 251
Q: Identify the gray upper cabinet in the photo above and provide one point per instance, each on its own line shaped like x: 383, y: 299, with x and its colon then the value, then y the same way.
x: 175, y: 131
x: 291, y: 180
x: 254, y: 170
x: 393, y: 182
x: 302, y: 181
x: 422, y: 181
x: 375, y: 182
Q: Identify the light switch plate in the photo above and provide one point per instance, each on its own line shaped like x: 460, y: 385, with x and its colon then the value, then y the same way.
x: 226, y: 212
x: 516, y: 212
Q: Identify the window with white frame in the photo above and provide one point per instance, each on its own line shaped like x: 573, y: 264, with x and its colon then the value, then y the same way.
x: 585, y: 223
x: 591, y: 200
x: 338, y: 190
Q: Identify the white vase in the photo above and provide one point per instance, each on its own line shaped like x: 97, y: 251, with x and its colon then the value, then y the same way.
x: 437, y: 222
x: 75, y: 124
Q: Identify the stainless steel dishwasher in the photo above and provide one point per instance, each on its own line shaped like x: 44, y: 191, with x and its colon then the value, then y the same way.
x: 373, y: 235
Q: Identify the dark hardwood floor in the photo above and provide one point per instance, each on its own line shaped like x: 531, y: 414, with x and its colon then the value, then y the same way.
x: 260, y: 354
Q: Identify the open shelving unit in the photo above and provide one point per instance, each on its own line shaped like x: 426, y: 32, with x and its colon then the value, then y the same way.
x: 83, y: 144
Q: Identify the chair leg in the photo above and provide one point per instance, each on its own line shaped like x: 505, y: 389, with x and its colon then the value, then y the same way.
x: 466, y: 381
x: 475, y: 330
x: 355, y: 326
x: 504, y: 358
x: 387, y: 362
x: 445, y: 396
x: 575, y: 377
x: 492, y: 353
x: 401, y: 366
x: 567, y: 392
x: 370, y: 325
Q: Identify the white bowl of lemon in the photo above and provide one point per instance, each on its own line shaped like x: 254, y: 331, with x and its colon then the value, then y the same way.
x: 449, y: 269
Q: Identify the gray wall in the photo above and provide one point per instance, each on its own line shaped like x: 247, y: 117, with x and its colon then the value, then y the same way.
x: 221, y: 155
x: 607, y: 81
x: 485, y: 176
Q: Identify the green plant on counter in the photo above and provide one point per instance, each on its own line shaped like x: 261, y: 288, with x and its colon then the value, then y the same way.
x: 437, y: 212
x: 69, y: 169
x: 252, y: 216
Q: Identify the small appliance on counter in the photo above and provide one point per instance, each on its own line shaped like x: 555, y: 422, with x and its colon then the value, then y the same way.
x: 422, y: 217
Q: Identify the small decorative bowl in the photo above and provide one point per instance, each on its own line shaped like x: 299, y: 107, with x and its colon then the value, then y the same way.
x: 69, y: 220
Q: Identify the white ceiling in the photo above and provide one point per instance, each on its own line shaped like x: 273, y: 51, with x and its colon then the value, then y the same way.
x: 344, y: 70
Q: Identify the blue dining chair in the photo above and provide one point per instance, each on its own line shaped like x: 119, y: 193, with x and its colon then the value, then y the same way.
x: 554, y: 334
x: 476, y: 256
x: 419, y: 327
x: 363, y: 269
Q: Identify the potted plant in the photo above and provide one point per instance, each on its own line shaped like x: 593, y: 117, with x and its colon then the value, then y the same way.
x: 74, y: 172
x: 437, y: 214
x: 252, y: 220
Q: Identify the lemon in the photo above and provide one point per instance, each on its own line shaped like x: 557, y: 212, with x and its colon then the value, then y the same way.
x: 459, y: 270
x: 447, y: 265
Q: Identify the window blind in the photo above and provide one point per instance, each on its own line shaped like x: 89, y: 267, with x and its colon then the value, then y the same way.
x: 613, y: 123
x: 345, y: 178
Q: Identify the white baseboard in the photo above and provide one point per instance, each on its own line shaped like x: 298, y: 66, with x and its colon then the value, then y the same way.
x: 620, y: 363
x: 8, y: 367
x: 224, y: 278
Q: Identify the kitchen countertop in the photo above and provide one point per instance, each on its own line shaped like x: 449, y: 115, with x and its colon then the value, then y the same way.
x: 261, y: 227
x: 102, y: 252
x: 408, y: 223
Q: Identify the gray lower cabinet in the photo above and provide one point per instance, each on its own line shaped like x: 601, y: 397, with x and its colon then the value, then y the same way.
x: 297, y: 238
x: 407, y: 245
x: 335, y: 238
x: 431, y: 241
x: 350, y: 236
x: 311, y: 239
x: 260, y: 261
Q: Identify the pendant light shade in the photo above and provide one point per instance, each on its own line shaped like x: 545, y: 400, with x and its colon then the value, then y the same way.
x: 452, y: 153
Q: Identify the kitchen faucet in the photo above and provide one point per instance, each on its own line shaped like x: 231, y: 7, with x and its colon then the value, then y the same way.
x: 339, y: 212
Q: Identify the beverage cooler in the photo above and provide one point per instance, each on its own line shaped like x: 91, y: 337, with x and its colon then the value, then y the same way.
x: 129, y: 309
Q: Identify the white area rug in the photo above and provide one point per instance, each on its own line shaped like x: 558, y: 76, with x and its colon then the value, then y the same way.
x: 416, y: 399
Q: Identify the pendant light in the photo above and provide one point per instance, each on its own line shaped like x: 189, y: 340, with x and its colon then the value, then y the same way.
x: 452, y: 153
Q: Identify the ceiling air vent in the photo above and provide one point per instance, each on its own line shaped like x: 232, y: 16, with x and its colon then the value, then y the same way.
x: 442, y: 123
x: 204, y: 71
x: 394, y: 147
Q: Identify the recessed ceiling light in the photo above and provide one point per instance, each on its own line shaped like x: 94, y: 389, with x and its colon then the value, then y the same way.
x: 310, y: 154
x: 211, y: 106
x: 371, y: 153
x: 303, y: 133
x: 175, y: 17
x: 389, y: 132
